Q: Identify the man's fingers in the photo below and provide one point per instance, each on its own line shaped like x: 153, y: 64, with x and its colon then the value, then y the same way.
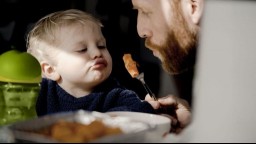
x: 168, y: 100
x: 174, y: 121
x: 175, y: 127
x: 154, y: 104
x: 148, y: 98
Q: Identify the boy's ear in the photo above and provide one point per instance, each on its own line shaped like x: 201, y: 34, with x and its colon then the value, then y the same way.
x: 194, y: 9
x: 49, y: 72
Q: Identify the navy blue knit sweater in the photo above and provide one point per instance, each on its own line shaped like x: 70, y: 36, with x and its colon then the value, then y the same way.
x: 108, y: 96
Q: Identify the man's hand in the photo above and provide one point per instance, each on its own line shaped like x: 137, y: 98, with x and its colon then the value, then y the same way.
x: 175, y: 108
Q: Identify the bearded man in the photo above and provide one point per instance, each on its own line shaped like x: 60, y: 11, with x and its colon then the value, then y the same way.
x: 171, y: 31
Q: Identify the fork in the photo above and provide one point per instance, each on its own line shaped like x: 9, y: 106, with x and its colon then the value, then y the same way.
x: 140, y: 77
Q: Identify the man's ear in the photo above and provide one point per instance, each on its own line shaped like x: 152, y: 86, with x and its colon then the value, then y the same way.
x: 49, y: 71
x: 195, y: 10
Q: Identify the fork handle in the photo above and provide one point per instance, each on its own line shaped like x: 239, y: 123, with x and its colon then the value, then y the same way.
x: 149, y: 91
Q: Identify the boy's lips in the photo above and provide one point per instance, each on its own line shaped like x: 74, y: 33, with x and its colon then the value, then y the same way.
x: 100, y: 63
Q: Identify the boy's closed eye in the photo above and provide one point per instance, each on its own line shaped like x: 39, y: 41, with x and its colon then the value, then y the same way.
x: 102, y: 46
x: 82, y: 50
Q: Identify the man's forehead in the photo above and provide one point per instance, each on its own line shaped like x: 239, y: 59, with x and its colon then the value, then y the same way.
x: 152, y: 4
x: 140, y: 4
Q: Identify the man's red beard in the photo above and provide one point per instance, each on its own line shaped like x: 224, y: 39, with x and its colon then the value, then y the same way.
x: 178, y: 52
x: 176, y: 59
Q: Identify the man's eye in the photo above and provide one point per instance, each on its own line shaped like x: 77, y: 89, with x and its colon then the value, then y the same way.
x: 102, y: 47
x: 82, y: 50
x: 144, y: 13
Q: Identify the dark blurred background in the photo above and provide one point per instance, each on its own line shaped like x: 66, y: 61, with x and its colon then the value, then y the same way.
x: 118, y: 18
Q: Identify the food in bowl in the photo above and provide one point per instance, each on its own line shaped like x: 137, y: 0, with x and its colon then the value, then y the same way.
x: 74, y: 132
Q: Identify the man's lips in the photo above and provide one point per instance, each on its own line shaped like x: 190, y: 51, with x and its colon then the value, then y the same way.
x: 157, y: 54
x: 154, y: 53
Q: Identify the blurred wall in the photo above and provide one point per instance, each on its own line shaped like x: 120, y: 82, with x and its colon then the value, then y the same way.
x: 225, y: 80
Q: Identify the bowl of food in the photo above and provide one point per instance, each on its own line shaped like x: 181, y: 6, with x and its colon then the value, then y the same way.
x: 161, y: 123
x: 80, y: 127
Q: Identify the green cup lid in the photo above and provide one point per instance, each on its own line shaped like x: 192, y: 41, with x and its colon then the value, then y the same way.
x: 19, y: 67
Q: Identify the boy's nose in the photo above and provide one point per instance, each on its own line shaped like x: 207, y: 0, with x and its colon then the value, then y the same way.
x: 95, y: 52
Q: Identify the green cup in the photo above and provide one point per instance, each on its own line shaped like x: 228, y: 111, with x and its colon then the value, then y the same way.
x: 20, y: 75
x: 17, y: 102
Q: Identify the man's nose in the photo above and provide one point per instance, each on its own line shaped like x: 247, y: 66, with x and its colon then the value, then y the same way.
x: 143, y: 30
